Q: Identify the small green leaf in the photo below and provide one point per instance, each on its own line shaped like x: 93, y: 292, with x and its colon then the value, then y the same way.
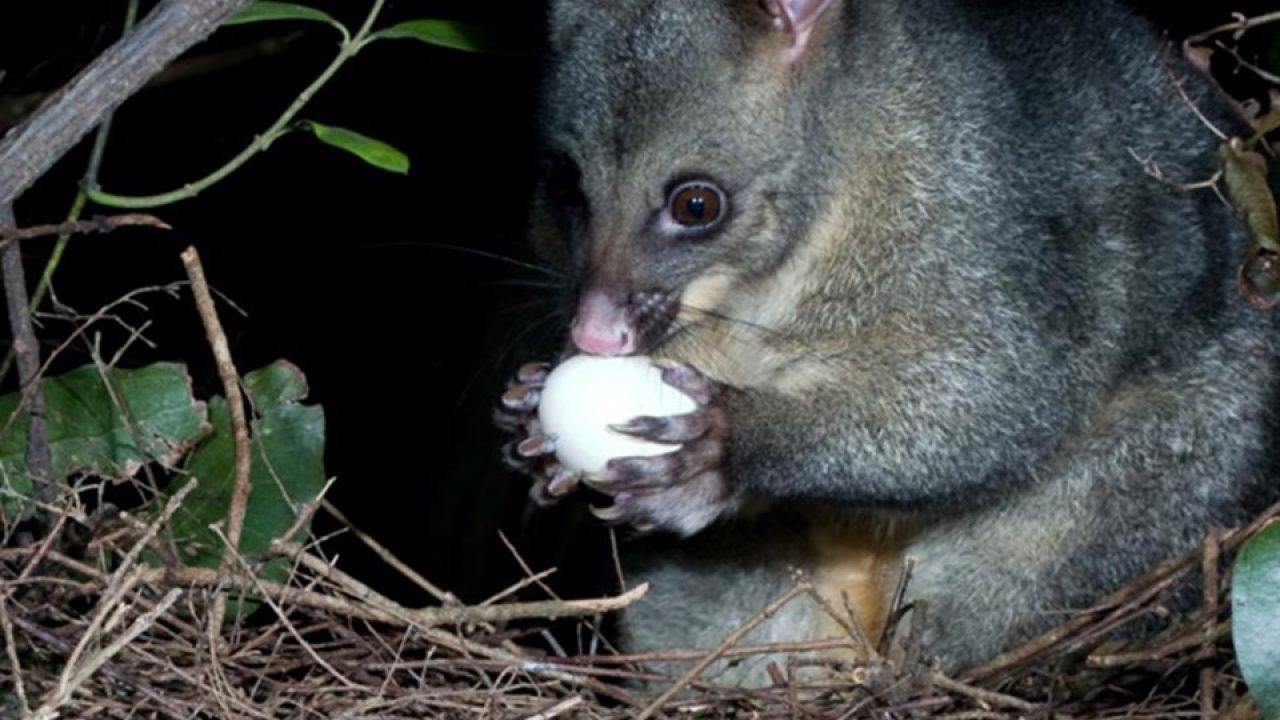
x: 147, y: 415
x: 287, y: 471
x: 268, y: 11
x: 443, y: 33
x: 1255, y: 624
x: 374, y: 152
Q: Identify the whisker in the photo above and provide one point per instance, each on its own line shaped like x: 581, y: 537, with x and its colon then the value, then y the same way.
x: 804, y: 349
x: 498, y: 359
x: 473, y: 251
x: 514, y: 309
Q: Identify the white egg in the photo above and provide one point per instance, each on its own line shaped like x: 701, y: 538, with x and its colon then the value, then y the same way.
x: 586, y: 394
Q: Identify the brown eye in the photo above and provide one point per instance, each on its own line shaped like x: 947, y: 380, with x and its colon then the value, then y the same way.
x: 696, y: 204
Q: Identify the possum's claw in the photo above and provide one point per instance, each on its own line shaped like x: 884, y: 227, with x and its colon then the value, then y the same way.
x: 683, y: 490
x: 552, y: 483
x: 531, y: 452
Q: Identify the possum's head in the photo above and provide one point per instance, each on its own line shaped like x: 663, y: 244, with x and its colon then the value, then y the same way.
x: 675, y: 156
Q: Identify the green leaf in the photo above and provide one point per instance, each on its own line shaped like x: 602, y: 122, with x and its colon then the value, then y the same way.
x: 287, y: 471
x: 267, y: 11
x: 147, y: 415
x: 442, y: 33
x: 1255, y: 624
x: 374, y: 152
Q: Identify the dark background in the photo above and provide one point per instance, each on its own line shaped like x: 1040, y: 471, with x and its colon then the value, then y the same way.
x: 388, y: 291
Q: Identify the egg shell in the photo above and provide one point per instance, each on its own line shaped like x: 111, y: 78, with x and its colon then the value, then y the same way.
x: 586, y: 394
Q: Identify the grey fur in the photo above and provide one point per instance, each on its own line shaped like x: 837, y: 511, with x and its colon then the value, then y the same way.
x: 951, y: 297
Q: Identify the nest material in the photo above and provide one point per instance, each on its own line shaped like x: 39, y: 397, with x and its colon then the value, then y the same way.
x: 89, y: 630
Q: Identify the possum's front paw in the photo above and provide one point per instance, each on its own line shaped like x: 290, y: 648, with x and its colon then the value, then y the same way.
x: 684, y: 490
x: 531, y: 451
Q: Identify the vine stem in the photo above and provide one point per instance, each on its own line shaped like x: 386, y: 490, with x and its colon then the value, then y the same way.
x: 282, y: 126
x: 77, y: 206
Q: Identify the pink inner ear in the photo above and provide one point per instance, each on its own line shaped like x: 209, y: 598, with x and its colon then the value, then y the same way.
x: 796, y: 16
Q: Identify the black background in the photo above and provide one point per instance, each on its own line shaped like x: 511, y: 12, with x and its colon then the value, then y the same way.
x: 369, y: 281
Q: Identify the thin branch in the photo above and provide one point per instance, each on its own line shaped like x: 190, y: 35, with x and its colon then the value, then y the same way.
x: 49, y: 710
x: 11, y: 652
x: 282, y: 126
x: 100, y: 224
x: 239, y: 423
x: 391, y: 613
x: 801, y: 587
x: 986, y: 697
x: 27, y: 348
x: 30, y: 149
x: 443, y: 596
x: 1240, y: 25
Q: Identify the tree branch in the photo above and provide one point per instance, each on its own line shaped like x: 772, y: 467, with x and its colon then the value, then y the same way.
x: 27, y: 349
x: 31, y: 148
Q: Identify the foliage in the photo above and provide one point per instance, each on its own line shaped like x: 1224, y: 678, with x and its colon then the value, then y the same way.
x: 1255, y: 592
x: 107, y: 423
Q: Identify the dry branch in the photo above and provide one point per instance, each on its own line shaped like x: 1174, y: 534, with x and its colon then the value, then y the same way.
x: 101, y: 224
x: 30, y: 149
x: 239, y: 422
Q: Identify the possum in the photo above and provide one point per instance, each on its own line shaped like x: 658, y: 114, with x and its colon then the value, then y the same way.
x: 910, y: 260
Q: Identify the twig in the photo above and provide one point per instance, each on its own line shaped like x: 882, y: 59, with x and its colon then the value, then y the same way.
x: 1210, y: 587
x: 1210, y: 634
x: 1241, y: 24
x: 30, y: 149
x: 801, y: 587
x: 442, y: 596
x: 850, y: 623
x: 27, y: 348
x: 985, y: 697
x: 99, y: 224
x: 351, y: 45
x: 124, y: 578
x: 62, y: 693
x: 239, y: 423
x: 11, y: 651
x: 775, y: 648
x: 559, y: 708
x: 284, y: 617
x: 1141, y: 588
x: 395, y: 614
x: 1122, y: 602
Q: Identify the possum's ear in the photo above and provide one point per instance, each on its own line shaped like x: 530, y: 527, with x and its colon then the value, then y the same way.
x: 797, y: 19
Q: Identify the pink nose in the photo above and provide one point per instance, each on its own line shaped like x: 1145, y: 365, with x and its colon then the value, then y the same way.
x: 602, y: 326
x: 607, y: 340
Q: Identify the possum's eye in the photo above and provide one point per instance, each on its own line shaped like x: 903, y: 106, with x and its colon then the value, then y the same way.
x: 697, y: 204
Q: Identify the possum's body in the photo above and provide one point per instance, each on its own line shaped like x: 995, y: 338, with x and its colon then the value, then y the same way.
x: 944, y: 313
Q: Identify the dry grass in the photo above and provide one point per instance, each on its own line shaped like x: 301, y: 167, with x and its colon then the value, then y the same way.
x: 90, y: 630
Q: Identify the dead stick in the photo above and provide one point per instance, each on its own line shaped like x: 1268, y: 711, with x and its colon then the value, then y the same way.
x: 800, y: 588
x: 27, y: 350
x: 1234, y: 27
x: 49, y: 710
x: 1128, y: 596
x: 988, y: 697
x: 806, y: 646
x: 387, y: 611
x: 11, y: 652
x: 1198, y: 638
x: 239, y: 423
x: 30, y: 149
x: 443, y: 596
x: 104, y: 224
x: 1210, y: 587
